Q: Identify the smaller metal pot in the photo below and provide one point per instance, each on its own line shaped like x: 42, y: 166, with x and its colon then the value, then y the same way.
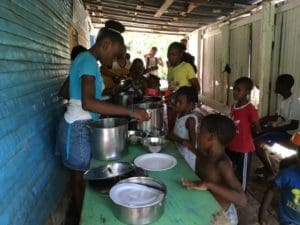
x: 141, y: 215
x: 124, y: 98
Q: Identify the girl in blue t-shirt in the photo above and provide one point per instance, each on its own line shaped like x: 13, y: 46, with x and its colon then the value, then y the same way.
x: 85, y: 91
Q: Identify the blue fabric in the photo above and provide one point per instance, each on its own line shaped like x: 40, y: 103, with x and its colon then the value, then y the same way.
x: 288, y: 181
x: 85, y: 64
x: 73, y: 143
x: 276, y: 136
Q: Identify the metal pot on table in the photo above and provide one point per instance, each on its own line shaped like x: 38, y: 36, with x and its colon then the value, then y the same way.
x: 108, y: 138
x: 143, y: 214
x: 156, y: 112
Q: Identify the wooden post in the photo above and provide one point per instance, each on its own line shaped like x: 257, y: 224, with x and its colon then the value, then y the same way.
x: 268, y: 15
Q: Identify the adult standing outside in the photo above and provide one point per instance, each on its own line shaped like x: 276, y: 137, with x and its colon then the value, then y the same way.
x: 86, y: 85
x: 153, y: 62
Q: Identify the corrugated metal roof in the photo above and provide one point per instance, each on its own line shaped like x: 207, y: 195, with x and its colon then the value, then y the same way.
x: 163, y: 16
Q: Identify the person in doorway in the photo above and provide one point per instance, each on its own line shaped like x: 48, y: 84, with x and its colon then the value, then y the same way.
x: 287, y: 182
x: 216, y: 173
x: 244, y: 115
x: 86, y: 84
x: 180, y: 73
x: 64, y: 90
x: 278, y: 128
x: 187, y: 57
x: 186, y: 125
x: 153, y: 62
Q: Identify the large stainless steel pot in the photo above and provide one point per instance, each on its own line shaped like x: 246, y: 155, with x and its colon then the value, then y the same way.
x: 156, y: 112
x: 141, y: 215
x: 108, y: 138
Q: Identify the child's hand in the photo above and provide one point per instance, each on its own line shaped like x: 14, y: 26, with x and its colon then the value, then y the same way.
x: 196, y: 185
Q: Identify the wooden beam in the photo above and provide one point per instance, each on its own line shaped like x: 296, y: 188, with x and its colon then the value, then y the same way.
x: 151, y: 27
x: 163, y: 8
x: 130, y: 29
x: 149, y: 22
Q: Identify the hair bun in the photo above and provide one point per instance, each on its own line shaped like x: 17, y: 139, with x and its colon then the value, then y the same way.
x: 115, y: 25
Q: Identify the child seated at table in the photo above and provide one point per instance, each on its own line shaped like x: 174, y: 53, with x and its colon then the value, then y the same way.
x: 287, y: 182
x: 278, y: 128
x: 216, y: 174
x: 186, y: 124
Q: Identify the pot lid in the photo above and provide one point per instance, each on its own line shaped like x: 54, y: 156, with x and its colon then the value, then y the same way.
x: 135, y: 195
x: 109, y: 171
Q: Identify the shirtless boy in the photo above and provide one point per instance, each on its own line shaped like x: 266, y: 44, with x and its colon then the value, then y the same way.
x: 216, y: 172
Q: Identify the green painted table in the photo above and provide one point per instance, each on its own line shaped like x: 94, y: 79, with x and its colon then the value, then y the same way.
x: 182, y: 206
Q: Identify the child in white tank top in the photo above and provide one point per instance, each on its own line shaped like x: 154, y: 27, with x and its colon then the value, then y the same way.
x: 186, y: 125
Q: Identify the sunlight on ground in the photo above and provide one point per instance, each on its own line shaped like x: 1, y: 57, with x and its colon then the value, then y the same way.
x: 282, y: 151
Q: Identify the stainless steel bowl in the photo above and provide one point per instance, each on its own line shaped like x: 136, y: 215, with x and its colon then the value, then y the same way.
x: 134, y: 136
x: 141, y: 215
x: 154, y: 144
x: 108, y: 138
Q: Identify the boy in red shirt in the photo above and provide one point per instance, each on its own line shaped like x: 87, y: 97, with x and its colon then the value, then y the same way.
x: 244, y: 115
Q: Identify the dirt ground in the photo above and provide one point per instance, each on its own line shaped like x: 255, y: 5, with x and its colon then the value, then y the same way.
x: 255, y: 191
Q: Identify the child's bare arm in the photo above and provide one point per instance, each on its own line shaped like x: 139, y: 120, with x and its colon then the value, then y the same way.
x: 173, y: 137
x: 267, y: 199
x: 231, y: 190
x: 268, y: 118
x: 293, y: 125
x: 257, y: 127
x: 191, y: 127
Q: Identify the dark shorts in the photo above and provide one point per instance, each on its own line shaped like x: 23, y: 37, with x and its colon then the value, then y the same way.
x: 270, y: 138
x: 73, y: 144
x: 242, y: 164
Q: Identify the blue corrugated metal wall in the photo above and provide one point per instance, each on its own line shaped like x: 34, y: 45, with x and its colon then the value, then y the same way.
x: 34, y: 60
